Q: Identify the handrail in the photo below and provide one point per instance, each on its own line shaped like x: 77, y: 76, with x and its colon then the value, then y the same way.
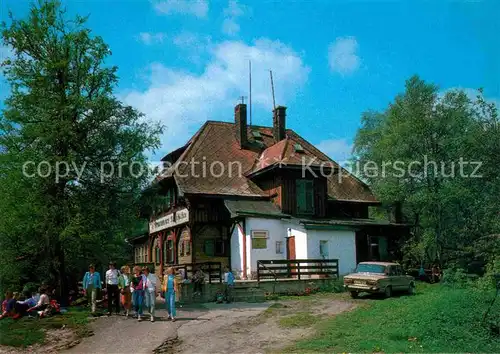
x: 259, y: 263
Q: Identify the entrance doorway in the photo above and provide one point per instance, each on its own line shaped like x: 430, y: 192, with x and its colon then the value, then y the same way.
x: 290, y: 253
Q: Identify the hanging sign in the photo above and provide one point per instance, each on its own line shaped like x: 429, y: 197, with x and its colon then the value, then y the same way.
x: 169, y: 220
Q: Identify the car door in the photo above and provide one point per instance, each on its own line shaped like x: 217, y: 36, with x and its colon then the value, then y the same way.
x: 390, y: 277
x: 395, y: 277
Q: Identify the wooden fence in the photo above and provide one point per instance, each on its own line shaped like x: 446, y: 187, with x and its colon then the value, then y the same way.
x: 212, y: 270
x: 297, y: 268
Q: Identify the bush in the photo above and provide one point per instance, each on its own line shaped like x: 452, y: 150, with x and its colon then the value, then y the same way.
x: 456, y: 277
x: 333, y: 286
x: 488, y: 281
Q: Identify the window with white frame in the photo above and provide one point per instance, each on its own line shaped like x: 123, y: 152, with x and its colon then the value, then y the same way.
x: 279, y: 247
x: 323, y: 249
x: 259, y: 239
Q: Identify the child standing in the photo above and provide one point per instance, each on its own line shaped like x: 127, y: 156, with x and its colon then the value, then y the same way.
x: 228, y: 285
x: 124, y: 286
x: 198, y: 280
x: 170, y: 289
x: 137, y: 287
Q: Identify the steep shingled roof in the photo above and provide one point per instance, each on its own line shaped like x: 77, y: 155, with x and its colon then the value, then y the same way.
x: 216, y: 147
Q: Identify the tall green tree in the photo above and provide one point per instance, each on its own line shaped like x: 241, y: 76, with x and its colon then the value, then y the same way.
x: 438, y: 154
x: 72, y: 155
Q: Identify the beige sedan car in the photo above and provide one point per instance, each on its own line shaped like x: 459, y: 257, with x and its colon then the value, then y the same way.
x: 378, y: 277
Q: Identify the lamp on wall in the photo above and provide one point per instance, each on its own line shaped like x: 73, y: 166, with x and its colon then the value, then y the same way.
x: 289, y: 232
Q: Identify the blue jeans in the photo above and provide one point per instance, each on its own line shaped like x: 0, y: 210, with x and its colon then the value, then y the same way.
x: 170, y: 303
x: 138, y: 299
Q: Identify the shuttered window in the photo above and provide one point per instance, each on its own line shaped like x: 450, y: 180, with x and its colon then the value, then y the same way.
x: 305, y: 196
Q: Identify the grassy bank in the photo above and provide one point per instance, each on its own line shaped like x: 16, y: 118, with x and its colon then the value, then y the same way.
x: 28, y: 331
x: 436, y: 319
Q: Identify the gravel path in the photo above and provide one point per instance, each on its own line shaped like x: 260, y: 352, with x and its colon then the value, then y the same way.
x: 209, y: 328
x: 118, y: 334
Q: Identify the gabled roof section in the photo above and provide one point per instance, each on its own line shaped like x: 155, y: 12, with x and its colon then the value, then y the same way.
x: 261, y: 208
x: 212, y: 163
x: 284, y: 153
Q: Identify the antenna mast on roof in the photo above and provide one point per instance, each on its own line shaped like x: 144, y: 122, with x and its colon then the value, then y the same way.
x: 250, y: 89
x: 272, y: 88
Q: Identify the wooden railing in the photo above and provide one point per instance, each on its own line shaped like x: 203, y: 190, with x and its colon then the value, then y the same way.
x: 297, y: 268
x: 212, y: 270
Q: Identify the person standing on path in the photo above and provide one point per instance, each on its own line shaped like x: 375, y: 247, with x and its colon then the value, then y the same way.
x: 138, y: 286
x: 198, y: 280
x: 150, y: 293
x: 91, y: 283
x: 170, y: 289
x: 228, y: 285
x: 112, y: 288
x: 124, y: 286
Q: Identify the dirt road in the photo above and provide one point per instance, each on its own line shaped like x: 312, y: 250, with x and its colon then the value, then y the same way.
x: 211, y: 328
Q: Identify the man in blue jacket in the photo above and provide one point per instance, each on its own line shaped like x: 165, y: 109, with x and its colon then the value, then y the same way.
x: 92, y: 282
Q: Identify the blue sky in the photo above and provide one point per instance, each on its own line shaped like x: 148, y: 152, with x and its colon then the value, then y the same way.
x: 183, y: 62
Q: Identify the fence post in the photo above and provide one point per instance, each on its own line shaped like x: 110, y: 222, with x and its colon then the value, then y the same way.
x: 298, y: 270
x: 258, y: 272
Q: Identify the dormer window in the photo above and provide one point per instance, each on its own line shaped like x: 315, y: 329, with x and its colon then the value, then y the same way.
x: 305, y: 196
x: 298, y: 148
x: 256, y: 135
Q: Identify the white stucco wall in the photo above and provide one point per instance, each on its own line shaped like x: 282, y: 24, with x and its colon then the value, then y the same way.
x: 276, y: 232
x: 237, y: 251
x: 341, y: 246
x: 300, y: 240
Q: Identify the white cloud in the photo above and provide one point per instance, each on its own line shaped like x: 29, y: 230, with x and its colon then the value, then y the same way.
x: 183, y: 101
x: 337, y: 149
x: 198, y: 8
x: 193, y: 46
x: 231, y: 14
x: 151, y: 38
x: 230, y: 27
x: 342, y: 55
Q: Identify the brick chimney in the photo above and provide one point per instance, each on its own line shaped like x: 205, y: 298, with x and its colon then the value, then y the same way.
x: 279, y: 115
x: 240, y: 120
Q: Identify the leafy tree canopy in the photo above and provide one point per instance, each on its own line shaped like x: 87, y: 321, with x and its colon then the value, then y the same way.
x: 72, y: 155
x: 438, y: 154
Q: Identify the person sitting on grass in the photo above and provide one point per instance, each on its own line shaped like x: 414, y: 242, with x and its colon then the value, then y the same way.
x: 43, y: 302
x: 8, y: 305
x: 23, y: 306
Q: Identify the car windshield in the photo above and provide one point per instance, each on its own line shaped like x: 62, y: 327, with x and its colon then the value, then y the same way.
x: 370, y: 268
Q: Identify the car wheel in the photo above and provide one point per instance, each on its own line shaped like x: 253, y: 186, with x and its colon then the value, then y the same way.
x: 388, y: 291
x: 354, y: 294
x: 411, y: 289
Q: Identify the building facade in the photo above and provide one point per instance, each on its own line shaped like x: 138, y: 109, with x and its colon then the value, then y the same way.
x: 236, y: 194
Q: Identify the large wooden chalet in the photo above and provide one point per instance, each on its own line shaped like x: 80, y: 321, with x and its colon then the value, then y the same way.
x: 239, y: 193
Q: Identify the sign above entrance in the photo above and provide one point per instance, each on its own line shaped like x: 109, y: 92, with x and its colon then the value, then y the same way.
x: 169, y: 220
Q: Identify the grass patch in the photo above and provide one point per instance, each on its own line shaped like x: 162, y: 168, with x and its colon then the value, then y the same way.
x: 437, y: 319
x: 303, y: 319
x: 28, y: 331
